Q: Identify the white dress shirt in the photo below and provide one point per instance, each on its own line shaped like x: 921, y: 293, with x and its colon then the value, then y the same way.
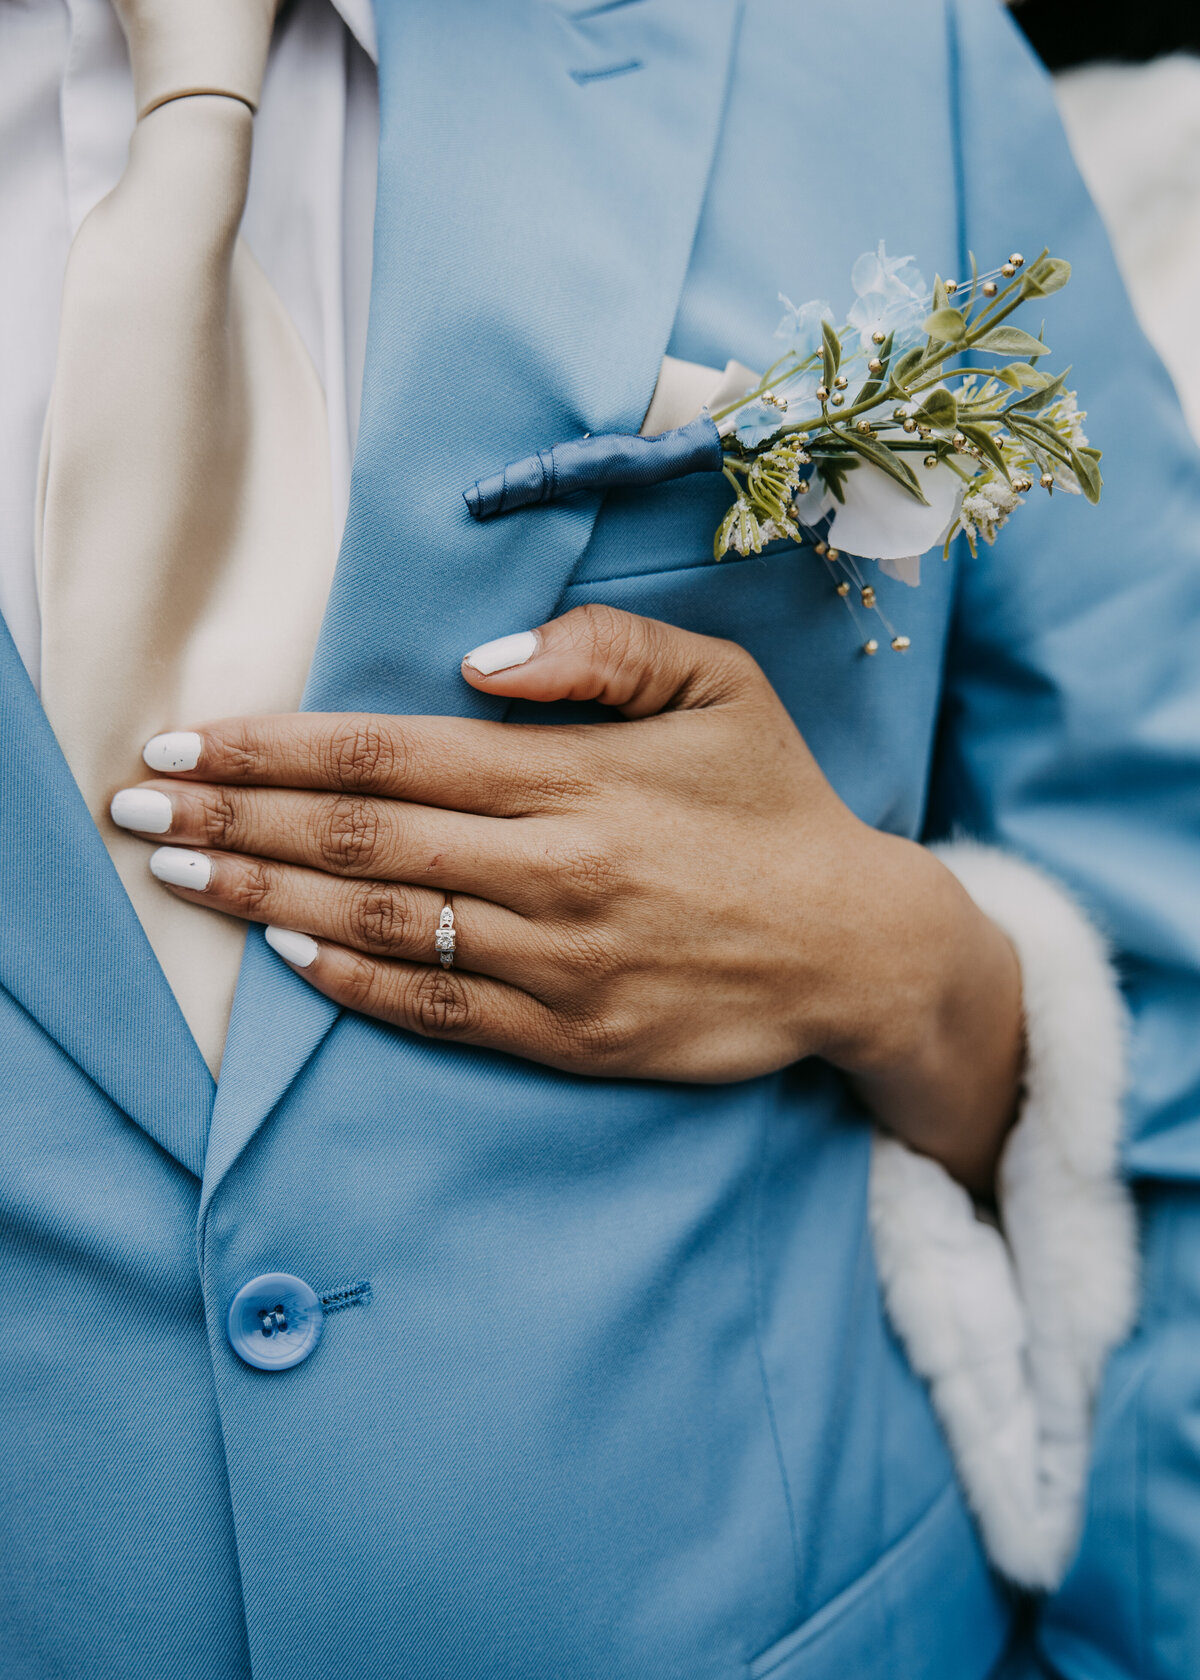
x: 66, y: 114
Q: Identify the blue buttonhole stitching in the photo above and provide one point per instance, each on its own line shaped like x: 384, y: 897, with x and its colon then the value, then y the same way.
x: 353, y: 1295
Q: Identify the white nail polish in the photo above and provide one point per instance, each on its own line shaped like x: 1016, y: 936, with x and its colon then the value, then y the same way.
x: 141, y: 808
x: 177, y: 750
x: 180, y: 868
x: 296, y: 948
x: 503, y: 653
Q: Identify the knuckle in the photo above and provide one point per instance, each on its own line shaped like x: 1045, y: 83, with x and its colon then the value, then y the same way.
x: 243, y: 755
x: 556, y: 766
x: 254, y: 887
x: 729, y: 672
x: 359, y: 982
x: 736, y: 659
x: 219, y: 818
x: 597, y: 1041
x: 608, y: 630
x: 587, y: 871
x: 548, y: 783
x: 586, y: 953
x: 348, y: 834
x: 735, y: 653
x: 361, y: 753
x: 441, y: 1006
x: 380, y: 918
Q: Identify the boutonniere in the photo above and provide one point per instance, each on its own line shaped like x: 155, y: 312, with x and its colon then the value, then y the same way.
x: 923, y: 415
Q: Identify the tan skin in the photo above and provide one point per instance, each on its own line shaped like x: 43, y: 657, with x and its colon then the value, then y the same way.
x: 678, y: 896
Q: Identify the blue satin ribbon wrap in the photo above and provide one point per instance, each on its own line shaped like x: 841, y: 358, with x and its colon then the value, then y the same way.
x: 612, y: 461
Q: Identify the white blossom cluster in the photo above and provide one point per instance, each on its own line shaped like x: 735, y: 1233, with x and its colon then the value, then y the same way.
x: 987, y: 508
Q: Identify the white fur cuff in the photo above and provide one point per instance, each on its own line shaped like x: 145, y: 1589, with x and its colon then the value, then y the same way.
x: 1011, y: 1330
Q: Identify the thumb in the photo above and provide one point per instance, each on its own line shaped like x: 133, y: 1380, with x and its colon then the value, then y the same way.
x: 638, y: 665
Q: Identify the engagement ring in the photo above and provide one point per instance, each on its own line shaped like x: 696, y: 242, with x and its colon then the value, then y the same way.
x: 444, y: 937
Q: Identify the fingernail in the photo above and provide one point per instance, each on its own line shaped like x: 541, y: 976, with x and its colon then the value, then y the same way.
x: 179, y: 749
x: 296, y: 948
x: 141, y: 808
x: 180, y: 868
x: 503, y: 653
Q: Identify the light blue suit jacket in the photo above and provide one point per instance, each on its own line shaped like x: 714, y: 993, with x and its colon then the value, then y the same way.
x: 624, y: 1404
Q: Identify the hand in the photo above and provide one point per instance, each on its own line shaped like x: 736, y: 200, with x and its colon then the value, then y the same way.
x: 678, y: 896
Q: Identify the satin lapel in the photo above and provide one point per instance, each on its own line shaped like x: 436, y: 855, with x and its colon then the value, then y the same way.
x: 542, y: 170
x: 72, y: 951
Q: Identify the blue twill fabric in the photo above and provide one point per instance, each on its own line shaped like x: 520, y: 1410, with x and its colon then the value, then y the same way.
x: 620, y: 1401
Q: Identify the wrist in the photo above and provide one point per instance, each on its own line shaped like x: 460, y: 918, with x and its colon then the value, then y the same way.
x: 927, y: 1013
x: 886, y: 987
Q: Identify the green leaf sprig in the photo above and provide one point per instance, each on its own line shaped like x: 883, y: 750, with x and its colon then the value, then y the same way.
x: 951, y: 400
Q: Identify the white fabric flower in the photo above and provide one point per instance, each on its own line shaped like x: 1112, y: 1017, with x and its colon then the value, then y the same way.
x: 880, y: 521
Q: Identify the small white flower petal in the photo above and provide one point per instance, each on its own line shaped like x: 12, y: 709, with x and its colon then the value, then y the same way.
x: 904, y: 568
x: 880, y: 521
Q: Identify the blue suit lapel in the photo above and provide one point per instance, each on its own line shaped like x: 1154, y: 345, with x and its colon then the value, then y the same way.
x: 72, y: 951
x: 542, y: 170
x: 535, y: 219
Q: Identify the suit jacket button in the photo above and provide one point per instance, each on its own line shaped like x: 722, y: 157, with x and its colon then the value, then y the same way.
x: 274, y: 1321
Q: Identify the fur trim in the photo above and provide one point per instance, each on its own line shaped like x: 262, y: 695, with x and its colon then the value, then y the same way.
x: 1011, y: 1328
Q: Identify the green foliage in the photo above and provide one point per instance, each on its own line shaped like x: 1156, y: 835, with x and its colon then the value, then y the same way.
x: 939, y: 408
x: 1000, y: 428
x: 833, y: 469
x: 1021, y: 374
x: 1048, y: 274
x: 887, y: 460
x: 1009, y: 341
x: 905, y: 368
x: 831, y: 353
x: 946, y: 326
x: 1084, y: 461
x: 983, y: 440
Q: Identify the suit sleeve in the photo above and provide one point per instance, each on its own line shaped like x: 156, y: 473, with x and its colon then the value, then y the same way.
x: 1069, y: 752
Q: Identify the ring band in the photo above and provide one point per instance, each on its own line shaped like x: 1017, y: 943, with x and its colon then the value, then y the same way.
x: 444, y: 937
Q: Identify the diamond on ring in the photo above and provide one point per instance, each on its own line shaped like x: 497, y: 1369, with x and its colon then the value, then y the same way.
x: 444, y: 937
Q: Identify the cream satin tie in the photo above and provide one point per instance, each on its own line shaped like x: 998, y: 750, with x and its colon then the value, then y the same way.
x: 185, y: 515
